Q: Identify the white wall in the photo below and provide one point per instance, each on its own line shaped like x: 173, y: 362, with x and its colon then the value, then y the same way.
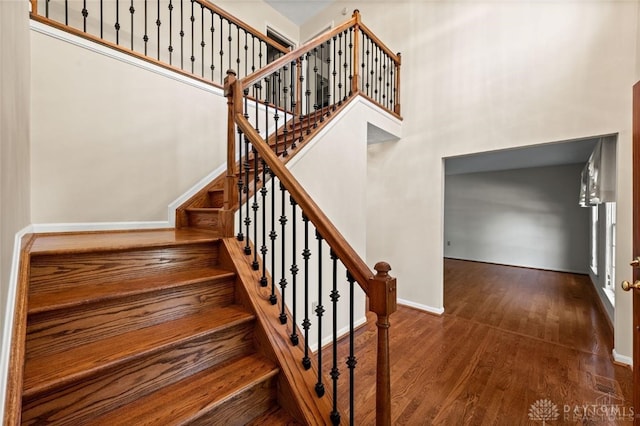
x: 481, y: 76
x: 524, y: 217
x: 14, y: 156
x: 112, y: 142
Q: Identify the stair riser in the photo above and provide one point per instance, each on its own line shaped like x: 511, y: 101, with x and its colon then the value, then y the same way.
x: 77, y: 402
x: 56, y: 331
x: 216, y: 198
x: 204, y: 220
x: 241, y: 408
x: 52, y: 272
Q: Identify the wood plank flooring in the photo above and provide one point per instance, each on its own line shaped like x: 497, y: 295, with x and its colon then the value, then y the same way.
x: 509, y: 337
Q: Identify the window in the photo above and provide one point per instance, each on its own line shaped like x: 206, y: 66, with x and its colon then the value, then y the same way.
x: 594, y: 239
x: 610, y: 251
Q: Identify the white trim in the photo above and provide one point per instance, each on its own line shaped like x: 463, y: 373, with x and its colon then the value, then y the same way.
x: 97, y: 226
x: 9, y: 311
x: 622, y: 359
x: 430, y: 309
x: 122, y: 57
x: 343, y: 331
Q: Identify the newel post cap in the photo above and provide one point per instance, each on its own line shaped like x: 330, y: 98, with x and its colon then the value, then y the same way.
x: 228, y: 81
x: 382, y: 291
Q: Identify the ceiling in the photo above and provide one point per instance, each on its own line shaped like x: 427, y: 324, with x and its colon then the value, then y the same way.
x: 299, y: 11
x: 552, y: 154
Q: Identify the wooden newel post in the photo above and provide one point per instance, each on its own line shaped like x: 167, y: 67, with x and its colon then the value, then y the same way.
x: 396, y: 105
x: 355, y: 82
x: 382, y: 301
x: 230, y: 184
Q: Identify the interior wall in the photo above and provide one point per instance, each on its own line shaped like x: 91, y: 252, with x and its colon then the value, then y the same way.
x: 14, y: 152
x: 112, y: 142
x: 482, y: 76
x: 524, y: 217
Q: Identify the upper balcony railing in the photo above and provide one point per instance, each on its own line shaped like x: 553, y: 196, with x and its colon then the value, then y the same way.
x: 192, y: 37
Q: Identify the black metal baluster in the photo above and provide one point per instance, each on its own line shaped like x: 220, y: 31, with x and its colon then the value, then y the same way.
x: 246, y: 53
x: 374, y: 71
x: 240, y: 235
x: 385, y: 82
x: 292, y: 91
x: 245, y: 160
x: 285, y: 131
x: 116, y: 26
x: 321, y: 83
x: 202, y: 43
x: 283, y: 279
x: 66, y: 12
x: 221, y: 50
x: 170, y: 32
x: 145, y: 37
x: 351, y: 64
x: 158, y: 24
x: 319, y: 313
x: 335, y: 372
x: 132, y: 10
x: 230, y: 39
x: 308, y: 96
x: 306, y: 323
x: 101, y: 18
x: 393, y: 86
x: 263, y: 249
x: 193, y: 22
x: 212, y: 67
x: 181, y: 35
x: 336, y: 85
x: 272, y: 236
x: 238, y: 49
x: 345, y: 65
x: 363, y: 58
x: 85, y: 13
x: 294, y: 273
x: 372, y: 67
x: 340, y: 76
x: 274, y: 99
x: 253, y: 53
x: 46, y: 10
x: 351, y: 359
x: 315, y: 79
x: 254, y: 206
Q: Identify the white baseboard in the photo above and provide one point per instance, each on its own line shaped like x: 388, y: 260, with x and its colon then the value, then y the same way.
x: 42, y: 228
x: 622, y: 359
x: 9, y: 311
x: 430, y: 309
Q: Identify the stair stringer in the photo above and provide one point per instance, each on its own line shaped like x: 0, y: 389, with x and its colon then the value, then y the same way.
x: 296, y: 385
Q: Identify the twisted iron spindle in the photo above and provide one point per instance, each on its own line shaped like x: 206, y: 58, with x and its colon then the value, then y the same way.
x: 283, y: 279
x: 170, y: 32
x: 272, y: 236
x: 306, y: 323
x: 247, y: 167
x: 335, y: 372
x: 263, y: 249
x: 240, y: 236
x: 294, y: 273
x: 351, y: 359
x: 319, y: 313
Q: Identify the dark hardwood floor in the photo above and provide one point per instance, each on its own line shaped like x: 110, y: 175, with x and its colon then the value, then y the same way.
x: 509, y: 338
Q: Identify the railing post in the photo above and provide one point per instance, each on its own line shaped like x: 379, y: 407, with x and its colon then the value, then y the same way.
x: 396, y: 105
x: 382, y: 301
x: 355, y: 82
x: 230, y: 182
x: 34, y: 6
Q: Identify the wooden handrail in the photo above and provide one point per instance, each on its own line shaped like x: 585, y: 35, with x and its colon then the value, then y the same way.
x: 358, y: 268
x: 243, y: 25
x: 293, y: 55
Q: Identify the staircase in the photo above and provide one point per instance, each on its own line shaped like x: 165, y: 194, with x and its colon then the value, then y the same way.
x: 144, y: 327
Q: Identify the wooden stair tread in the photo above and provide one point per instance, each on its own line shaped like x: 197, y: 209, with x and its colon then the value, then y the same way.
x: 189, y: 398
x: 275, y: 416
x: 44, y: 373
x: 90, y: 293
x: 121, y: 240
